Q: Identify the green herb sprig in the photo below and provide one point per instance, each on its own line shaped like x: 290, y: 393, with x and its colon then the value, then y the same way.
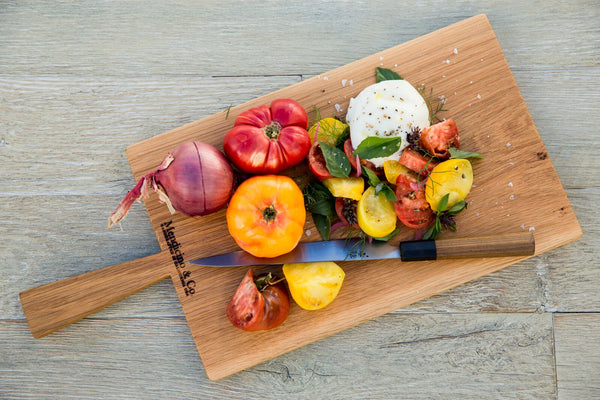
x: 321, y: 204
x: 444, y: 218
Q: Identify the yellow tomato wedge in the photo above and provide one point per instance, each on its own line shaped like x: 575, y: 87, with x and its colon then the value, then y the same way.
x: 375, y: 214
x: 350, y: 188
x: 328, y: 130
x: 453, y: 177
x: 313, y: 285
x: 393, y: 168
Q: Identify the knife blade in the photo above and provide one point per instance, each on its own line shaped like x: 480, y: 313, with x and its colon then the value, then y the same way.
x: 504, y: 245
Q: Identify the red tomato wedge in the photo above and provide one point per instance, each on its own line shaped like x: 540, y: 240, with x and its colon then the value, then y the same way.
x: 417, y: 162
x: 437, y: 139
x: 412, y: 208
x: 317, y: 164
x: 252, y: 309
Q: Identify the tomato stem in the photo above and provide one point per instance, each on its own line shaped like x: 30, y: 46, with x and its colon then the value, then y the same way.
x: 269, y: 213
x: 272, y: 130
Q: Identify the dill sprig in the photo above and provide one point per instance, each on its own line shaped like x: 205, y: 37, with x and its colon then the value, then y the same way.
x: 434, y: 104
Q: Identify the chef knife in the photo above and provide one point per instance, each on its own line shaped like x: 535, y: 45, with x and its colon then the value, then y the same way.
x: 503, y: 245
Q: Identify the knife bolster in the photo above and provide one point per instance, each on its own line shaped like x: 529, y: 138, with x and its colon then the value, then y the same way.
x: 418, y: 250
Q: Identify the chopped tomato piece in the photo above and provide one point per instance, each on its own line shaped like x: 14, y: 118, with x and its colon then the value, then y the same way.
x: 412, y: 208
x: 317, y: 164
x: 438, y: 138
x: 417, y: 162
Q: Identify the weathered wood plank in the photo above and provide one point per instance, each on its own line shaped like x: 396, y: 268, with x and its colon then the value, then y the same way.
x: 229, y: 39
x: 67, y: 135
x: 577, y: 355
x: 396, y: 356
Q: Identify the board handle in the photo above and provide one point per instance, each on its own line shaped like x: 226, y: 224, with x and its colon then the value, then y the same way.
x: 55, y: 305
x: 502, y: 245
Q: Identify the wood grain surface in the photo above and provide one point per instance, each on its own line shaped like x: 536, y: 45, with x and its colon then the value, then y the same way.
x: 81, y: 82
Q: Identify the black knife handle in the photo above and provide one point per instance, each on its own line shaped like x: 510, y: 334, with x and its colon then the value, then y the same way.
x: 503, y: 245
x: 418, y: 250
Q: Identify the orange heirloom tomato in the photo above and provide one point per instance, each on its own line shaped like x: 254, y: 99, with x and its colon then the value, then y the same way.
x: 266, y: 215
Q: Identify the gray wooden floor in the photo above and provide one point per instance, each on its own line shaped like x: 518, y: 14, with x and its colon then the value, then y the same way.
x: 80, y: 81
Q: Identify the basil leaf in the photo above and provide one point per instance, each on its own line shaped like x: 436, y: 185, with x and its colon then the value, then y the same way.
x: 386, y: 191
x: 323, y: 224
x: 387, y: 237
x: 443, y: 203
x: 458, y: 207
x: 457, y: 153
x: 384, y: 74
x: 337, y: 163
x: 318, y: 199
x: 374, y: 146
x: 431, y: 233
x: 372, y: 177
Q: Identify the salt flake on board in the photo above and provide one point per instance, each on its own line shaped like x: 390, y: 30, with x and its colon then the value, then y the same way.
x: 338, y: 108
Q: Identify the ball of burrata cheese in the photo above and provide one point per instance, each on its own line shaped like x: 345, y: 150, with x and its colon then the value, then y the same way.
x: 386, y: 109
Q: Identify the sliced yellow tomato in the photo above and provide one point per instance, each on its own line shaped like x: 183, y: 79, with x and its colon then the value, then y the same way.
x: 328, y: 130
x: 393, y: 168
x: 453, y: 177
x: 375, y: 214
x: 350, y: 188
x: 314, y: 285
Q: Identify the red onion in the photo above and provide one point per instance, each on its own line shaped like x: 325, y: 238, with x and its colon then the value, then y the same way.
x: 194, y: 179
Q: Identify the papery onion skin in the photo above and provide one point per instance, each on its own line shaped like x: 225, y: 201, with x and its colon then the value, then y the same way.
x: 194, y: 179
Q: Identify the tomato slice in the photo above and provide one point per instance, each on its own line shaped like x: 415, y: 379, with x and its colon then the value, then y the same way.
x: 411, y: 207
x: 417, y: 162
x: 375, y: 214
x: 252, y: 309
x: 317, y: 164
x: 437, y: 139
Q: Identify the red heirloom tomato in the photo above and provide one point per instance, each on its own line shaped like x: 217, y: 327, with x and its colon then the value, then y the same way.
x: 266, y: 215
x: 438, y: 138
x: 267, y: 140
x: 259, y: 304
x: 412, y: 208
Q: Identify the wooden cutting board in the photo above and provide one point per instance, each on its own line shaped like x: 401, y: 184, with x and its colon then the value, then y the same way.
x: 515, y: 189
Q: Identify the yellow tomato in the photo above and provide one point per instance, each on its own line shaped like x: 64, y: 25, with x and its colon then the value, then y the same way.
x: 393, y: 168
x: 375, y: 214
x: 313, y: 285
x: 266, y: 215
x: 328, y: 130
x: 453, y: 177
x: 350, y: 188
